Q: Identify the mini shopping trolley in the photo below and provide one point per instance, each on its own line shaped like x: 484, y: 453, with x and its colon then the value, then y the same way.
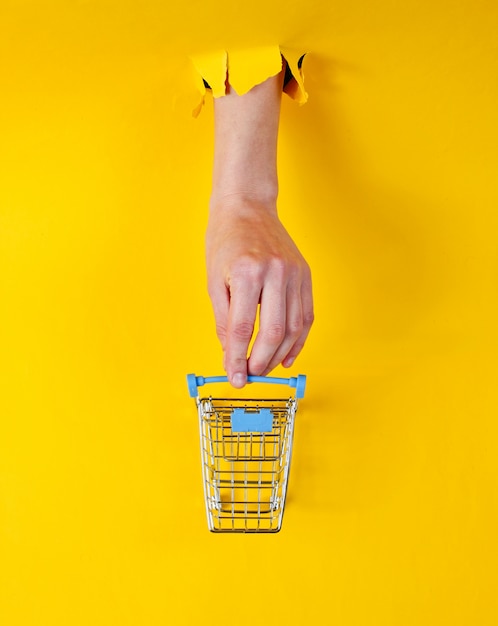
x: 246, y: 448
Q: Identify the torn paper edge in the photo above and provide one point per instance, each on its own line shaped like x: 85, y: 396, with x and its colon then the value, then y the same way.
x: 247, y: 68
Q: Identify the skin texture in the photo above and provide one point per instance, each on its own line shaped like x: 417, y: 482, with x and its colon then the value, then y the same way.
x: 253, y: 265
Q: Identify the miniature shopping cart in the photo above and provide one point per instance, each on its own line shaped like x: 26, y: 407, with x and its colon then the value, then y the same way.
x: 246, y: 448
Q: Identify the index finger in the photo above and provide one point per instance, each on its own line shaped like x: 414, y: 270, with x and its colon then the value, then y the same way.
x: 244, y: 300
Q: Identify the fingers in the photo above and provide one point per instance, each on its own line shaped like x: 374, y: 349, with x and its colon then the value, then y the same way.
x: 286, y: 315
x: 307, y: 321
x: 273, y: 318
x: 294, y: 328
x: 220, y: 300
x: 254, y: 263
x: 244, y: 300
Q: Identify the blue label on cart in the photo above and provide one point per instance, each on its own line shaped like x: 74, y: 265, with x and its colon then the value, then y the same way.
x: 252, y: 422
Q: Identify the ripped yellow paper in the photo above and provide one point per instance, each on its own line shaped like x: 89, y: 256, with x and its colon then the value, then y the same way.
x: 212, y: 68
x: 245, y: 69
x: 295, y: 87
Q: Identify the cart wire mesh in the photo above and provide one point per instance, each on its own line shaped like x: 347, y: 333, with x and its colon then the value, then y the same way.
x: 246, y: 450
x: 245, y: 473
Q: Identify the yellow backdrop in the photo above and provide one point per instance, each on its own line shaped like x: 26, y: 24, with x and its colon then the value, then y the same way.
x: 389, y: 186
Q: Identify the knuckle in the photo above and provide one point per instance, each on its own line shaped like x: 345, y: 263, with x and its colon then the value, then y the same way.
x: 221, y: 332
x: 247, y: 268
x: 243, y: 331
x: 257, y: 368
x: 238, y: 363
x: 309, y: 318
x: 279, y: 266
x: 295, y: 328
x: 275, y: 333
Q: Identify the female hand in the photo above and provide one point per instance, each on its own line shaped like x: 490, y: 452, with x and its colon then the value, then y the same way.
x: 251, y: 260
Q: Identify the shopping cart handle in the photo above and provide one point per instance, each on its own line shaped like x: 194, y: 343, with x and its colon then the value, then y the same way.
x: 297, y: 382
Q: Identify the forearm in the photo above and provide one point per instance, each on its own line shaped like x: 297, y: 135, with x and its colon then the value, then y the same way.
x: 245, y: 155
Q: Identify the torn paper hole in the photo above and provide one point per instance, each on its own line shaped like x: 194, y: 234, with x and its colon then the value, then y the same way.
x: 246, y: 69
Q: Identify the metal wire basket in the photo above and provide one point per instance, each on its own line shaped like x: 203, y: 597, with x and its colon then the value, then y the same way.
x: 246, y: 449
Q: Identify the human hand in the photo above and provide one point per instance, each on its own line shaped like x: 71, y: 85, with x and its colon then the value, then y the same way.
x: 251, y: 260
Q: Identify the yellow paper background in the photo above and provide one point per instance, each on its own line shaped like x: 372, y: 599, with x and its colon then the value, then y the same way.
x: 389, y: 186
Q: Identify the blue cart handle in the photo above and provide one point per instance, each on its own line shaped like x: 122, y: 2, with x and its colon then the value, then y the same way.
x: 297, y: 382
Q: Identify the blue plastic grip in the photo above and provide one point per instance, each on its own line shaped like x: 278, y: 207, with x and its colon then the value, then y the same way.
x: 297, y: 382
x: 243, y: 421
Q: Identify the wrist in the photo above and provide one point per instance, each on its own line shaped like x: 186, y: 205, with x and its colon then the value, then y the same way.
x: 246, y: 171
x: 246, y: 204
x: 263, y: 194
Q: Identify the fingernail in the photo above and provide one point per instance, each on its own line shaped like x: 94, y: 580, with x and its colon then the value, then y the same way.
x: 238, y: 379
x: 288, y: 362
